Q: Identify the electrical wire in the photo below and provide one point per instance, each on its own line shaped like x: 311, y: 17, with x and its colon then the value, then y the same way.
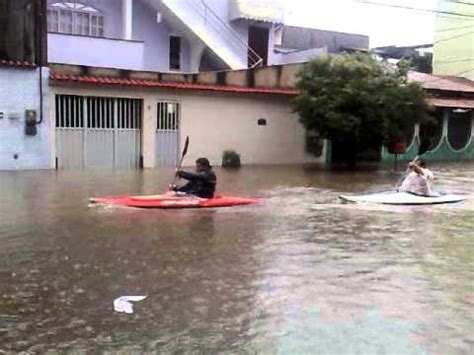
x: 455, y: 28
x: 453, y: 37
x: 461, y: 2
x: 456, y: 60
x: 458, y: 15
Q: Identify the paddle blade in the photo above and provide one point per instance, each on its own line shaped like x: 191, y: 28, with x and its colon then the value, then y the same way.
x: 424, y: 146
x: 186, y: 144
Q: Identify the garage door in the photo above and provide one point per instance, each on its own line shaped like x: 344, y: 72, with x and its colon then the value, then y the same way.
x: 97, y: 132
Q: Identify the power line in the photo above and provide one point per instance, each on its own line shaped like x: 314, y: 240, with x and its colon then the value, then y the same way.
x: 454, y: 28
x: 453, y: 37
x: 456, y: 60
x: 461, y: 2
x: 450, y: 13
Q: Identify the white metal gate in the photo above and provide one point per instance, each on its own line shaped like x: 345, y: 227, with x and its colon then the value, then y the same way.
x: 167, y: 133
x: 96, y: 132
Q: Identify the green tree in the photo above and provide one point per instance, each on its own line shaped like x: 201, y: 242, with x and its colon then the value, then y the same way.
x: 355, y: 99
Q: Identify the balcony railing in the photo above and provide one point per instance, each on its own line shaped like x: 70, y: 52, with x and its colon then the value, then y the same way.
x: 222, y: 28
x: 210, y: 27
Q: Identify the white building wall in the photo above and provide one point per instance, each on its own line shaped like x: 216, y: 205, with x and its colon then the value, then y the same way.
x: 298, y: 56
x: 19, y: 91
x: 215, y: 122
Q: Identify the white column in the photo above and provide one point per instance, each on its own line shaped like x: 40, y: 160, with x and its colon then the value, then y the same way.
x: 127, y: 6
x: 149, y: 132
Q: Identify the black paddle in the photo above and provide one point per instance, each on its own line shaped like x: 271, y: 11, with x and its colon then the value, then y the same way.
x: 185, y: 150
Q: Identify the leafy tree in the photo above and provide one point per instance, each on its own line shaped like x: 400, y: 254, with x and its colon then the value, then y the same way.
x: 353, y: 98
x: 420, y: 63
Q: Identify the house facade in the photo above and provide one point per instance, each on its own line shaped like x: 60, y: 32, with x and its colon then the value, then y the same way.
x: 109, y: 118
x: 162, y: 35
x: 451, y: 136
x: 185, y: 36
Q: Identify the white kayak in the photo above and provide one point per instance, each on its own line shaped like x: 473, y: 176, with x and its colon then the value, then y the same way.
x: 395, y: 197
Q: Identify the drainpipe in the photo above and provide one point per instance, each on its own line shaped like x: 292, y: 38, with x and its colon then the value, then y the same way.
x: 39, y: 29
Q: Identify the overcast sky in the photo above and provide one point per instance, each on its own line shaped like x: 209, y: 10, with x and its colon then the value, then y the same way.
x: 384, y: 25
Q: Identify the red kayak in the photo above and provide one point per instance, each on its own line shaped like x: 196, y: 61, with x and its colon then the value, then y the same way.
x: 173, y: 201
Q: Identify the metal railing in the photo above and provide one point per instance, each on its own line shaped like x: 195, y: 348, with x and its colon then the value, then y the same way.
x: 221, y: 29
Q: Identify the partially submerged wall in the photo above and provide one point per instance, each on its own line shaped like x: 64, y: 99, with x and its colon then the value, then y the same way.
x: 20, y: 92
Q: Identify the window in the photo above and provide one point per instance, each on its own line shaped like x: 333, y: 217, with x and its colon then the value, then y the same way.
x: 167, y: 118
x: 175, y: 53
x: 75, y: 18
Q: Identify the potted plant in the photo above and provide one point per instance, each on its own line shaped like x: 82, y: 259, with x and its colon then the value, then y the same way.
x: 230, y: 159
x: 397, y: 143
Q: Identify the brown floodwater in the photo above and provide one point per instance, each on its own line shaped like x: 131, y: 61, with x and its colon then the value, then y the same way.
x: 300, y: 273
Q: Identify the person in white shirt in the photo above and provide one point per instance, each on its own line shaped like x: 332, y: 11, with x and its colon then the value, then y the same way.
x: 420, y: 179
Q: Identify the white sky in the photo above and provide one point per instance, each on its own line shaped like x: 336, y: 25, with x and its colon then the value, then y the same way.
x: 384, y: 25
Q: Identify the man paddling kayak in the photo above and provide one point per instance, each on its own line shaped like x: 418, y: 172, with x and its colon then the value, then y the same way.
x: 419, y: 180
x: 202, y: 183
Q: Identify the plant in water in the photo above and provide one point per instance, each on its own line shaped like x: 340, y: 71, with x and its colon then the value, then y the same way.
x: 358, y: 101
x: 230, y: 159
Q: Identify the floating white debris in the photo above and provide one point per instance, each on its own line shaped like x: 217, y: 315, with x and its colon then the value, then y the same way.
x: 122, y: 304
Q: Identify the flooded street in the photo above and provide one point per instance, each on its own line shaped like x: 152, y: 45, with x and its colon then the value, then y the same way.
x: 301, y: 273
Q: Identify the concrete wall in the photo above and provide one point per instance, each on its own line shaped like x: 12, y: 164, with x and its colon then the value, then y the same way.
x: 216, y: 122
x: 19, y: 91
x: 100, y: 52
x: 300, y: 56
x: 305, y: 38
x: 156, y: 38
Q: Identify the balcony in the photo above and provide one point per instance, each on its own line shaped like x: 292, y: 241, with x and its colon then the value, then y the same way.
x: 95, y: 51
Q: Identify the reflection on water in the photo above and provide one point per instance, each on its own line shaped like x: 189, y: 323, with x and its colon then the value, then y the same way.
x: 303, y: 273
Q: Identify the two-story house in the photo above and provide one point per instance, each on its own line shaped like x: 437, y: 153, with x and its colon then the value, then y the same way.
x: 162, y: 35
x: 184, y: 36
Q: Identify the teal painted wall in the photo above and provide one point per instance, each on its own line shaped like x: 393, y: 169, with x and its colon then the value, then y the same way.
x: 443, y: 150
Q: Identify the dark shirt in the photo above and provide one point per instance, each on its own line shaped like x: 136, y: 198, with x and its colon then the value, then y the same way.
x: 201, y: 183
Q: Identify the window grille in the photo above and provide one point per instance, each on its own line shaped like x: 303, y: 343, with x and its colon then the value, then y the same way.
x: 97, y: 112
x: 168, y: 116
x: 75, y: 18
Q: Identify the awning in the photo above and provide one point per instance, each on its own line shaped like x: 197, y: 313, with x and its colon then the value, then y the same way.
x: 257, y: 10
x: 455, y: 103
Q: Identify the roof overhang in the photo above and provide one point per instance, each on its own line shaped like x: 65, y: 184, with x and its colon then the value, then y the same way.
x: 150, y: 84
x: 256, y: 10
x: 452, y: 102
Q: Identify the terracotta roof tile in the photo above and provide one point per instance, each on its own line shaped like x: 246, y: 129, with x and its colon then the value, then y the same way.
x: 429, y: 82
x: 17, y: 64
x: 171, y: 85
x: 436, y: 82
